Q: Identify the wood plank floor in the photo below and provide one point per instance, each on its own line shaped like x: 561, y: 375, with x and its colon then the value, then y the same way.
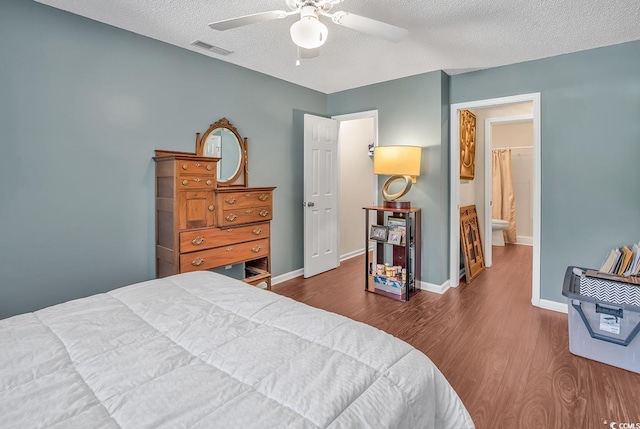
x: 508, y: 361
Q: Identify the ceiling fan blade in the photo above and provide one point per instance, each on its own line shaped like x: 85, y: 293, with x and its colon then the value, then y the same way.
x: 228, y: 24
x: 370, y: 26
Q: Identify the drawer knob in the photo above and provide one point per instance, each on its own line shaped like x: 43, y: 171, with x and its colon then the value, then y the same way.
x: 231, y: 217
x: 185, y: 166
x: 185, y: 182
x: 229, y: 249
x: 197, y: 179
x: 248, y: 211
x: 208, y: 182
x: 229, y: 230
x: 211, y: 208
x: 197, y: 164
x: 197, y: 241
x: 257, y: 231
x: 209, y: 167
x: 197, y: 262
x: 263, y: 197
x: 264, y: 213
x: 256, y: 249
x: 230, y: 200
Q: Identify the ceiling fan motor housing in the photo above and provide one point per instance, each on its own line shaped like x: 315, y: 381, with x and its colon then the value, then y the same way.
x: 324, y: 5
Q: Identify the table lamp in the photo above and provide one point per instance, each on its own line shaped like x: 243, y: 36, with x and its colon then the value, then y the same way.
x: 402, y: 163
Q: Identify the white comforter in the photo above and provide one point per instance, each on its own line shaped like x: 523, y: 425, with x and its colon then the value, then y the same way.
x: 202, y: 350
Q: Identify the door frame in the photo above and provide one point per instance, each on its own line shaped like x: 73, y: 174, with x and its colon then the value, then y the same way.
x: 454, y: 188
x: 488, y: 186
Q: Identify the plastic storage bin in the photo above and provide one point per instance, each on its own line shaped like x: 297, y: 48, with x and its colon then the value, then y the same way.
x: 605, y: 331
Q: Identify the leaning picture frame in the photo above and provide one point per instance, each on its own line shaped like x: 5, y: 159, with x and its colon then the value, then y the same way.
x: 395, y: 237
x: 378, y: 232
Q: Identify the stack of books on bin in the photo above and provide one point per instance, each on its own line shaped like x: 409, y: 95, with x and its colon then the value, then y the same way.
x: 624, y: 261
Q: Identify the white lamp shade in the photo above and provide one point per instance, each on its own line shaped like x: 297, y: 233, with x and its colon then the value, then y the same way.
x: 309, y: 32
x: 397, y: 160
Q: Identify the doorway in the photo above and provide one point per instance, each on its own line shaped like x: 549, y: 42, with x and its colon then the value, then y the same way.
x: 357, y: 137
x: 514, y: 132
x: 454, y: 195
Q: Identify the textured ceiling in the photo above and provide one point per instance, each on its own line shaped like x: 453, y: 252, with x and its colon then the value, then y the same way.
x: 450, y: 35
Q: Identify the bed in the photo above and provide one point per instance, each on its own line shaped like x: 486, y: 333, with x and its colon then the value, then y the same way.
x: 202, y: 350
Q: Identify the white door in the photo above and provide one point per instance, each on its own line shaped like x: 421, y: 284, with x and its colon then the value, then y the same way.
x: 321, y: 240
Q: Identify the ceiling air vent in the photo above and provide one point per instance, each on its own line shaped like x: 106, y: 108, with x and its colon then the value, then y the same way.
x: 218, y: 50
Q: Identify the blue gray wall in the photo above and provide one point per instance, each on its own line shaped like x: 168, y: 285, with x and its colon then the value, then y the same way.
x: 415, y: 111
x: 590, y: 142
x: 82, y: 107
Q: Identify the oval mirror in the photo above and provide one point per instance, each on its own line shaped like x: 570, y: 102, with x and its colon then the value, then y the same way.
x: 223, y: 141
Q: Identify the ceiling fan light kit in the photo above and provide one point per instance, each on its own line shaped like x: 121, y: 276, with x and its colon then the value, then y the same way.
x: 309, y: 32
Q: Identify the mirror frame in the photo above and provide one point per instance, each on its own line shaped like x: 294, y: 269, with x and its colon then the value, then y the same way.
x: 241, y: 178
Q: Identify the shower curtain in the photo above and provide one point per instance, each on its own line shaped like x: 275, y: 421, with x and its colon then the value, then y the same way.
x: 504, y: 202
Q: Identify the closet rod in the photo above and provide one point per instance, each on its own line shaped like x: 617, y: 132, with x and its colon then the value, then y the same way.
x: 512, y: 147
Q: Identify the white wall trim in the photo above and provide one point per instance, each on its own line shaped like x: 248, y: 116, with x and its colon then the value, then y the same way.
x: 454, y: 180
x: 560, y: 307
x: 525, y: 241
x: 287, y: 276
x: 488, y: 185
x: 430, y: 287
x: 353, y: 254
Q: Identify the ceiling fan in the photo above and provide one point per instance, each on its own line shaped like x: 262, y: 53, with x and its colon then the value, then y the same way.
x: 309, y: 33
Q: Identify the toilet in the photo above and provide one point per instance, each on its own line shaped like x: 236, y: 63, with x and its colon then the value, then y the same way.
x: 497, y: 226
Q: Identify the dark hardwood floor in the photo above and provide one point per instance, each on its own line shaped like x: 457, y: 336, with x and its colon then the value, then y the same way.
x: 508, y: 361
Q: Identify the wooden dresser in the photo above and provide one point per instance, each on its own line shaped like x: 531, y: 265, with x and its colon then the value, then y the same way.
x: 201, y: 225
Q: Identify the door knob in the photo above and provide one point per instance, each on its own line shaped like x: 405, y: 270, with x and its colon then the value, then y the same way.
x: 310, y: 204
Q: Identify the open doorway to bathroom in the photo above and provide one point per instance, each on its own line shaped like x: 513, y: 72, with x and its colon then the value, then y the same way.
x: 508, y: 146
x: 502, y: 125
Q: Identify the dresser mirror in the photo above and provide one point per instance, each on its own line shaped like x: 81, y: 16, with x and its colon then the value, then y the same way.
x: 223, y: 141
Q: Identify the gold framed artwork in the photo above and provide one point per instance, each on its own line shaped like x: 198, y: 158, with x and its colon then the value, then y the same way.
x: 467, y: 145
x: 471, y: 243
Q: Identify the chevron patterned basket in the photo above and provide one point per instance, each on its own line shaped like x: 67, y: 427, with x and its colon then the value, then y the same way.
x: 610, y: 291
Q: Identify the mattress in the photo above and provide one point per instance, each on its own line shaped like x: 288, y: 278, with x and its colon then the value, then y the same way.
x: 201, y: 350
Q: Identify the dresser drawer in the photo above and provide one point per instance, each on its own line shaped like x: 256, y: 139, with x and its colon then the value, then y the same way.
x: 195, y: 167
x: 221, y: 256
x: 191, y: 241
x: 185, y: 182
x: 244, y: 215
x: 234, y: 200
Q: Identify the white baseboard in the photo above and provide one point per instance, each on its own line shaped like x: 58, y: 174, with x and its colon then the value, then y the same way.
x: 560, y: 307
x: 353, y: 254
x: 287, y: 276
x: 297, y: 273
x: 430, y: 287
x: 462, y: 273
x: 527, y: 241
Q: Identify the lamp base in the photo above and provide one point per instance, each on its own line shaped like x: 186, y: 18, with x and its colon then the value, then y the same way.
x: 396, y: 204
x: 402, y: 192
